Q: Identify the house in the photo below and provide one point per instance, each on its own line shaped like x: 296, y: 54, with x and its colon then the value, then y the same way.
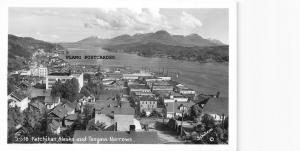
x: 58, y: 113
x: 24, y: 85
x: 147, y: 104
x: 69, y: 106
x: 70, y: 119
x: 55, y: 126
x: 83, y: 100
x: 217, y: 108
x: 120, y: 115
x: 178, y: 108
x: 19, y: 99
x: 51, y: 102
x: 105, y: 119
x: 37, y: 106
x: 20, y: 131
x: 116, y: 137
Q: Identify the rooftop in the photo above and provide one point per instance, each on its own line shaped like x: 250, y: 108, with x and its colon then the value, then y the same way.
x: 104, y: 119
x: 162, y: 83
x: 59, y: 111
x: 51, y: 100
x: 37, y: 104
x: 20, y: 95
x: 54, y: 125
x: 39, y: 92
x: 72, y: 117
x: 147, y: 98
x: 123, y: 122
x: 174, y: 106
x: 138, y: 87
x: 68, y: 103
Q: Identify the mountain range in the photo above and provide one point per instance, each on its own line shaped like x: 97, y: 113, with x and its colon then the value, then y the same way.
x: 192, y: 47
x: 159, y: 37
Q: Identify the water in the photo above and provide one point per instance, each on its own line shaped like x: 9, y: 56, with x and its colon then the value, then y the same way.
x: 207, y: 78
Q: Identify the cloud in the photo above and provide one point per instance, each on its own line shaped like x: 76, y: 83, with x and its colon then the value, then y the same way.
x: 122, y: 20
x: 139, y: 20
x: 188, y: 20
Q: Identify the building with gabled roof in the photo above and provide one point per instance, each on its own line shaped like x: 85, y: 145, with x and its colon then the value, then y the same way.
x: 37, y: 106
x: 69, y: 106
x: 51, y: 101
x: 19, y: 99
x: 55, y: 126
x: 70, y: 119
x: 147, y: 104
x: 118, y: 114
x: 177, y: 108
x: 59, y: 112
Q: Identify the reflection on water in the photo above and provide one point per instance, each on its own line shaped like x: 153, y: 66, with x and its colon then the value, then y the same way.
x: 203, y: 77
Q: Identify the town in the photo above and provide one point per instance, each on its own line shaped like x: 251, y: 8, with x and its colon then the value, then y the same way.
x: 119, y: 104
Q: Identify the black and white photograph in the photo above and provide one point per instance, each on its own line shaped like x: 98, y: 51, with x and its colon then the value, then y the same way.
x: 118, y: 75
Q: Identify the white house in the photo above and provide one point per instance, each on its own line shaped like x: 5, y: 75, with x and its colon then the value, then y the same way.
x: 18, y: 99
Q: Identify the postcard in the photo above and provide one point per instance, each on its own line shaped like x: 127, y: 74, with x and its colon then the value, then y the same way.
x: 107, y: 73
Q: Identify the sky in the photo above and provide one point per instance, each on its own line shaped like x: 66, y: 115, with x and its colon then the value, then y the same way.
x: 74, y: 24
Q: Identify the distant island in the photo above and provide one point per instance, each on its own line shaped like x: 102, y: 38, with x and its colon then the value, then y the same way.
x: 162, y: 44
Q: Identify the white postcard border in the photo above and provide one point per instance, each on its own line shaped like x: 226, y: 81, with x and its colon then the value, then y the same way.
x: 231, y: 5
